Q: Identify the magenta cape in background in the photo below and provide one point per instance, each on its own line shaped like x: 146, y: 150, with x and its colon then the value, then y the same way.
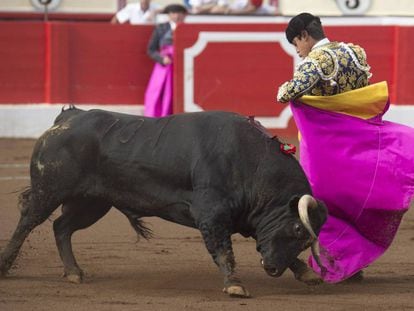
x: 159, y: 92
x: 364, y: 172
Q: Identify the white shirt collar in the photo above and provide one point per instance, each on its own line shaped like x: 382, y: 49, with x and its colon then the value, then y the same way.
x: 173, y: 25
x: 320, y: 43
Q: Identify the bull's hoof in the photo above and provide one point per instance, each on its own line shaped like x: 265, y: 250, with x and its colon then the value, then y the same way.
x: 309, y: 277
x: 73, y: 278
x: 236, y: 291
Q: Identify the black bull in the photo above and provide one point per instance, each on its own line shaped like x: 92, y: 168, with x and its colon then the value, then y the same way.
x: 216, y: 171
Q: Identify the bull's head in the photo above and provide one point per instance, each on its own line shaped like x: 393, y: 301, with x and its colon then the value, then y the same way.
x: 287, y: 231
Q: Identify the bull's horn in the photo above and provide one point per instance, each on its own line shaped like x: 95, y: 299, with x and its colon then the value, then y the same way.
x: 317, y: 256
x: 304, y: 202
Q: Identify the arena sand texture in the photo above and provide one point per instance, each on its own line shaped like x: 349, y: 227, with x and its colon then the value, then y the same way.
x: 172, y: 271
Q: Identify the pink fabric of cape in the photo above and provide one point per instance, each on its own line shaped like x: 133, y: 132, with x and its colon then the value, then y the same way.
x: 364, y: 172
x: 159, y: 92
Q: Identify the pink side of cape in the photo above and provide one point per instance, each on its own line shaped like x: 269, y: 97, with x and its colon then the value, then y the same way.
x: 159, y: 92
x: 364, y: 172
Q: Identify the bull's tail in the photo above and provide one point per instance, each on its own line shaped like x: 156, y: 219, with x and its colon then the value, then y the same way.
x: 25, y: 200
x: 140, y: 227
x: 137, y: 223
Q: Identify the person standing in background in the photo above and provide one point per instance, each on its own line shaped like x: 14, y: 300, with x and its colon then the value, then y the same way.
x: 159, y: 92
x: 142, y: 12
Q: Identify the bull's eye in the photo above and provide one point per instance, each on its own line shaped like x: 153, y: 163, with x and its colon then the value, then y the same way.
x: 298, y: 230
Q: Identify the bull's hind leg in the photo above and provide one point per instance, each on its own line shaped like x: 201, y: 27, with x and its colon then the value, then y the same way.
x: 35, y: 209
x: 76, y: 214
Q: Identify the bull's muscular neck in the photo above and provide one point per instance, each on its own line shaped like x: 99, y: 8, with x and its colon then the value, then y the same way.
x: 265, y: 218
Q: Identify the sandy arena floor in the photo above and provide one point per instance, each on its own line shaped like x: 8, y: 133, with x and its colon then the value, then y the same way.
x: 172, y: 271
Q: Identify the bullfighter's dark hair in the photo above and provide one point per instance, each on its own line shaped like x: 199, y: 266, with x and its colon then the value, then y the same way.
x: 304, y: 21
x: 175, y: 8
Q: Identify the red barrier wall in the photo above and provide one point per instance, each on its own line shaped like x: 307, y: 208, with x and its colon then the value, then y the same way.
x: 243, y: 74
x: 404, y: 65
x: 69, y: 62
x: 237, y: 75
x: 100, y: 63
x: 22, y: 54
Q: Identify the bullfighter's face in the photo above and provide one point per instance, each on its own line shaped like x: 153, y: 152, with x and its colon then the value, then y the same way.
x: 281, y: 241
x: 303, y: 44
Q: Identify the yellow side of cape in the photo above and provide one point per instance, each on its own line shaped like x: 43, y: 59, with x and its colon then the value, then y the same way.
x: 365, y: 103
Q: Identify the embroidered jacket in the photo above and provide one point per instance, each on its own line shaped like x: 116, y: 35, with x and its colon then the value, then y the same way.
x: 329, y: 69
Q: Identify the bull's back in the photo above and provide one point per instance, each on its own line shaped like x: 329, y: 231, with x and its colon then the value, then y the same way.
x: 160, y: 159
x: 159, y: 149
x: 170, y: 140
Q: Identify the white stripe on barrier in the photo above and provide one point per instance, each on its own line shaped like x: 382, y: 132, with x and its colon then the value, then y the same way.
x: 32, y: 120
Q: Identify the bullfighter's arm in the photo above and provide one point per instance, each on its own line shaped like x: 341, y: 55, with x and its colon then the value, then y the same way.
x: 304, y: 79
x: 154, y: 45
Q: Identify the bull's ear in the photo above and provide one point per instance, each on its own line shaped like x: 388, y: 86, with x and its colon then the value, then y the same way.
x: 293, y: 202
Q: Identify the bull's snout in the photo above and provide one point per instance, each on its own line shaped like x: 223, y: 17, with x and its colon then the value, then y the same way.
x: 271, y: 271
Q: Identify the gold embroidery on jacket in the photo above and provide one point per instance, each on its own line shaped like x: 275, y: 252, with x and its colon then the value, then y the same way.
x: 330, y: 69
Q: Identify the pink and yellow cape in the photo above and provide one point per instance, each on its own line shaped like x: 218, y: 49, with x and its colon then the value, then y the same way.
x: 362, y: 167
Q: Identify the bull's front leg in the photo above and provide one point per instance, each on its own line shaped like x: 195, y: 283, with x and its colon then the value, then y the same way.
x: 218, y: 242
